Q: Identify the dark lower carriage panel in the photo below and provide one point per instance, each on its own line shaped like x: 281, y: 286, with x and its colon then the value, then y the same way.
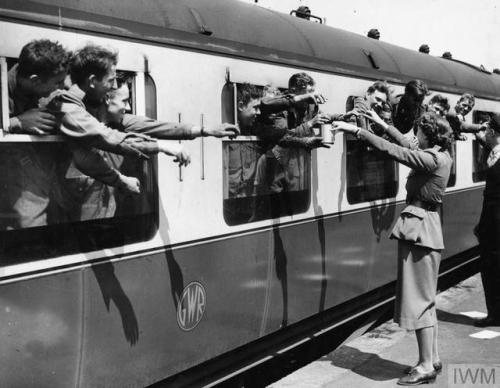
x: 120, y: 319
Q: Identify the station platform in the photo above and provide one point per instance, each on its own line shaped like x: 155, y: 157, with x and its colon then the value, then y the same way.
x: 470, y: 355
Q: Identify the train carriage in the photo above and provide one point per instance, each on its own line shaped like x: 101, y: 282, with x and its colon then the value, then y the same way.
x: 184, y: 276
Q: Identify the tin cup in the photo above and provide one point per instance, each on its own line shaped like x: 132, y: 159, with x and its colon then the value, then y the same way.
x: 327, y: 134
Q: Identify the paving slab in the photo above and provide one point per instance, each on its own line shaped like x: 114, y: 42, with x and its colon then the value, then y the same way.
x: 377, y: 359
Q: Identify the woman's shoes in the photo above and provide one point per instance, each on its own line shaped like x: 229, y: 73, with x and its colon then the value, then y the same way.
x: 416, y: 378
x: 438, y: 367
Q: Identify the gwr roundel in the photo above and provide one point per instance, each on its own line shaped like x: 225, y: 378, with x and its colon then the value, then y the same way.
x: 191, y: 306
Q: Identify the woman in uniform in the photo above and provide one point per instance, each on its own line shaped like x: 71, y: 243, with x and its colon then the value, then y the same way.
x: 419, y: 234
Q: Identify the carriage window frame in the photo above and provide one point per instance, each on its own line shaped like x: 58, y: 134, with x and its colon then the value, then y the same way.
x: 247, y: 209
x: 24, y: 245
x: 452, y: 180
x: 4, y: 96
x: 479, y: 153
x: 366, y: 192
x: 151, y: 96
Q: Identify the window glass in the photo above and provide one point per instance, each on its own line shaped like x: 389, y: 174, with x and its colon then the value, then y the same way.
x: 4, y: 107
x: 371, y: 174
x: 49, y: 208
x: 150, y: 96
x: 453, y: 173
x: 479, y: 153
x: 262, y: 179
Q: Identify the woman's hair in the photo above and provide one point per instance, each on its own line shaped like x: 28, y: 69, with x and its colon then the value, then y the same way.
x: 436, y: 129
x: 417, y: 88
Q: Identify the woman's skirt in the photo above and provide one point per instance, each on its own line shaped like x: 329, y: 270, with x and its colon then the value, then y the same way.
x: 418, y: 269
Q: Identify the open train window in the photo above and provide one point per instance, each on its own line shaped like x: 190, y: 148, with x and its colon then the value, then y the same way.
x: 261, y: 180
x: 371, y: 174
x: 479, y: 153
x: 48, y: 208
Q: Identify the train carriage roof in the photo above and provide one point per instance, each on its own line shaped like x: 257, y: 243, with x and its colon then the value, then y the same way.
x: 234, y: 28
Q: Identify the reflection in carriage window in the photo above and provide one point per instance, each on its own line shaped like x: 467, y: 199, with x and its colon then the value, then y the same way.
x: 371, y: 174
x: 262, y: 179
x: 453, y: 173
x: 3, y: 91
x: 49, y: 208
x: 479, y: 153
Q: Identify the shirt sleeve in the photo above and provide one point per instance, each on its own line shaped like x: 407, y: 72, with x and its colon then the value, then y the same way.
x: 469, y: 127
x: 157, y: 129
x: 270, y: 105
x: 83, y: 128
x: 424, y: 160
x: 399, y: 138
x: 15, y: 125
x: 92, y: 163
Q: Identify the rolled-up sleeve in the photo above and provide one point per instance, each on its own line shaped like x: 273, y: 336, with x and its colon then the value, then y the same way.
x: 157, y: 129
x: 270, y: 105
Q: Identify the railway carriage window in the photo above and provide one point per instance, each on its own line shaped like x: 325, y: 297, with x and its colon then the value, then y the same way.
x: 371, y: 174
x: 49, y: 208
x: 479, y: 154
x: 261, y: 180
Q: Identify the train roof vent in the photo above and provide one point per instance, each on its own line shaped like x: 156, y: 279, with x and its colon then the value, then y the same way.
x: 370, y: 57
x: 201, y: 23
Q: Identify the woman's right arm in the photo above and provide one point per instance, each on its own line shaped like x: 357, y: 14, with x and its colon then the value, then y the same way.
x: 416, y: 159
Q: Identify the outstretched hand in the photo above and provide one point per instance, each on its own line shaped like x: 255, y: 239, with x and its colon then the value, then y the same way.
x: 373, y: 116
x: 129, y: 184
x: 316, y: 142
x: 182, y: 157
x: 176, y: 150
x: 319, y: 119
x: 316, y: 98
x: 353, y: 114
x: 344, y: 127
x: 222, y: 130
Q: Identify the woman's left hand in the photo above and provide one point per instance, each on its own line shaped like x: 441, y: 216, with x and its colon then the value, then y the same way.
x: 345, y: 127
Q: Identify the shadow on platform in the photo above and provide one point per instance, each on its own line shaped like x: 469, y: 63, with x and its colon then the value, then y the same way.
x: 368, y: 365
x: 445, y: 316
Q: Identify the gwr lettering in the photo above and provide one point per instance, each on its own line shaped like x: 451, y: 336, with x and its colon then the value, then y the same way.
x: 191, y: 306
